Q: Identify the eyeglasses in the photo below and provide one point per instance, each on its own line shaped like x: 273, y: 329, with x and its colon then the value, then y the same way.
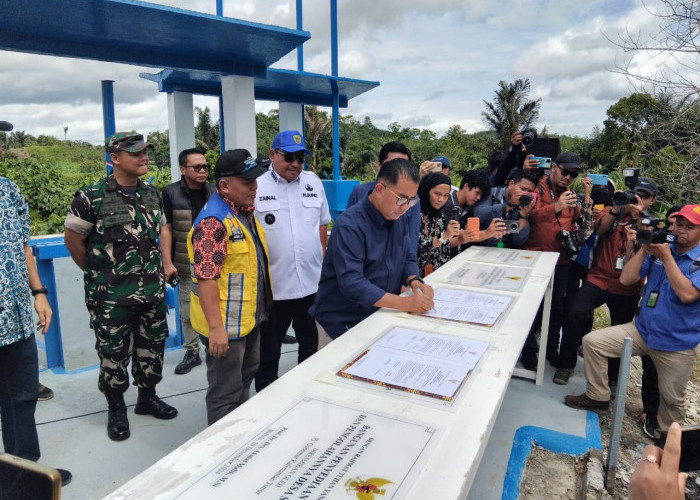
x: 292, y: 157
x: 568, y: 173
x: 403, y: 200
x: 198, y: 168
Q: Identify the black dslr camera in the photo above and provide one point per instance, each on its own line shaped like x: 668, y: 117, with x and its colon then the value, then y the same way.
x: 656, y: 234
x: 529, y: 136
x: 624, y: 198
x: 569, y: 242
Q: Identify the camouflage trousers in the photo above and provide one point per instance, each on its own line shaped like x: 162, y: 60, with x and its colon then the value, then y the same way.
x: 129, y: 332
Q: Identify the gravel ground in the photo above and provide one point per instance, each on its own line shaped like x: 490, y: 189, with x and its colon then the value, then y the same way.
x: 556, y: 476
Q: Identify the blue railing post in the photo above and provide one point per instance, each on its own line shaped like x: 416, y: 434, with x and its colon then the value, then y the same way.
x: 108, y: 118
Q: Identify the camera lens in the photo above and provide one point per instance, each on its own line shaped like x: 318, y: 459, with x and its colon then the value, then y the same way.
x: 529, y: 136
x: 525, y: 200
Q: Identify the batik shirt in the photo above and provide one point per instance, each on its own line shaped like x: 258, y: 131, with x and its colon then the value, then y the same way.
x: 124, y: 264
x: 432, y: 227
x: 15, y: 301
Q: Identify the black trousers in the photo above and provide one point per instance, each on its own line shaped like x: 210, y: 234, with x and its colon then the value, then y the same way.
x: 272, y: 332
x: 556, y: 315
x: 579, y: 322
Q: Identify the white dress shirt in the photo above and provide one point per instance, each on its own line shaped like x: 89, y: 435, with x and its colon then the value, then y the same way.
x: 291, y: 214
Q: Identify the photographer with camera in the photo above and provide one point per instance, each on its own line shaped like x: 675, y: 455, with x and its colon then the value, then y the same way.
x: 514, y: 211
x: 502, y: 167
x: 602, y: 284
x: 667, y: 327
x: 552, y: 229
x: 460, y: 207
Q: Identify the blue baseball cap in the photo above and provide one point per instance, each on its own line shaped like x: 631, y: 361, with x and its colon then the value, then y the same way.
x: 290, y: 141
x: 443, y: 159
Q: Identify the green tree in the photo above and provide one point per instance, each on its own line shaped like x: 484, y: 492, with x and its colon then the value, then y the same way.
x: 318, y: 136
x: 511, y: 109
x: 266, y: 126
x: 160, y: 156
x: 206, y: 132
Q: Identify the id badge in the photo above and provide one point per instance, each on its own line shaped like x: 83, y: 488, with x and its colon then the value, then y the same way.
x: 653, y: 299
x: 619, y: 263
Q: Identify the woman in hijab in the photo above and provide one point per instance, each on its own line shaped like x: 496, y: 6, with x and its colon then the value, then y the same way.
x: 437, y: 236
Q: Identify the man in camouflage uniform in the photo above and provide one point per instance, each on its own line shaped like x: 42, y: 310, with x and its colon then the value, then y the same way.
x: 112, y: 234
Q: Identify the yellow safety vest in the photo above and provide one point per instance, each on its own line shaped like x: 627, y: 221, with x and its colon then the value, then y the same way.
x: 238, y: 283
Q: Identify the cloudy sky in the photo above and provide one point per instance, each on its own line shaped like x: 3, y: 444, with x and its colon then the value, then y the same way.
x: 436, y: 60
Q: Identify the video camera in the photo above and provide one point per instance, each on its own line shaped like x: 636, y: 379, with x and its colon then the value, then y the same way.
x: 655, y: 235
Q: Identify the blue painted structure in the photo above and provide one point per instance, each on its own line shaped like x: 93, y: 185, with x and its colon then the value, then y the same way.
x: 278, y: 85
x: 133, y: 32
x: 46, y: 250
x: 557, y: 442
x: 108, y: 120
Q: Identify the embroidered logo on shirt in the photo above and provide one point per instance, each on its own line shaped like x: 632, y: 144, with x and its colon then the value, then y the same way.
x: 309, y: 187
x: 267, y: 197
x: 270, y: 219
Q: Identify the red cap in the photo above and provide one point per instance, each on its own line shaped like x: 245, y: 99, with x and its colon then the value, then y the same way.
x: 690, y: 212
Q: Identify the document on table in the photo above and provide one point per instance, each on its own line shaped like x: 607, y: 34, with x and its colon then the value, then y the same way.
x: 319, y: 449
x: 424, y: 363
x: 469, y: 307
x: 506, y: 256
x: 480, y: 275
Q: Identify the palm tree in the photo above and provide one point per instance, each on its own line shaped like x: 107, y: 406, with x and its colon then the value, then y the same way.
x: 316, y: 124
x: 511, y: 109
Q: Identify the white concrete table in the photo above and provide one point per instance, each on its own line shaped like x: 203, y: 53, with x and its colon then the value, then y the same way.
x: 442, y: 465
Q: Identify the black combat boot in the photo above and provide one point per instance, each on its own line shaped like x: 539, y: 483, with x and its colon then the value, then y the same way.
x: 150, y: 404
x: 117, y: 421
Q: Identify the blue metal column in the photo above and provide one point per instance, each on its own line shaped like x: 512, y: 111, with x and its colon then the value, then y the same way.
x: 108, y: 119
x: 300, y: 48
x: 336, y: 99
x: 222, y: 136
x: 300, y: 63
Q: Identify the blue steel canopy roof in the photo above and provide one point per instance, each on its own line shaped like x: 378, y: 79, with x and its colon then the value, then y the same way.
x: 278, y: 85
x: 132, y: 32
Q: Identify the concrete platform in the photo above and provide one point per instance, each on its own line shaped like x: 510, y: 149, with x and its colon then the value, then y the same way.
x: 73, y: 435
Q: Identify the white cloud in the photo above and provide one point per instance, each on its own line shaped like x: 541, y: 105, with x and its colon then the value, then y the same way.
x: 436, y: 62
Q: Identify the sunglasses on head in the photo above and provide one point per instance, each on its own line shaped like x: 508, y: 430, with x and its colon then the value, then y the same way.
x: 292, y: 157
x: 568, y: 173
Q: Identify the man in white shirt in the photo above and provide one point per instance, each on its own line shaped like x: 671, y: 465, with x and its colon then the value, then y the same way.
x: 291, y: 205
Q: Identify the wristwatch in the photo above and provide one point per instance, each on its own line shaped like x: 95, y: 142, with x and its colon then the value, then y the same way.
x: 415, y: 278
x: 442, y: 240
x: 40, y: 290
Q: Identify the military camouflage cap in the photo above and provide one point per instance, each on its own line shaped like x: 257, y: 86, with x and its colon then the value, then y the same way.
x: 126, y: 141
